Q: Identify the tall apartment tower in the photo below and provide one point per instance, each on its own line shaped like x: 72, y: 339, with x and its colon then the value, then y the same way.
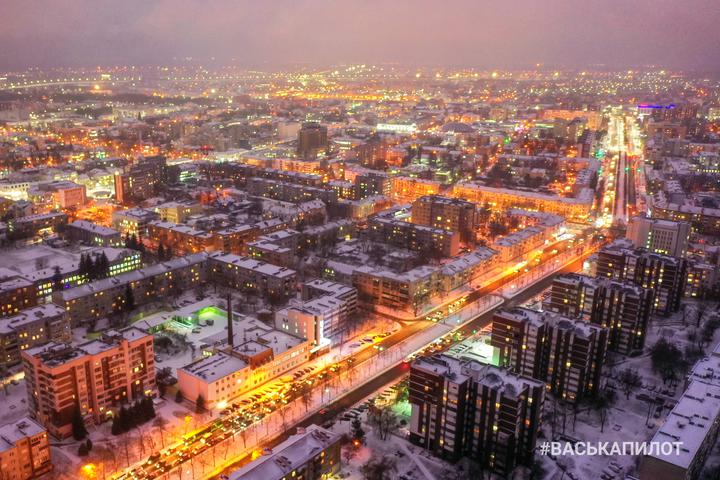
x: 312, y: 139
x: 462, y: 407
x: 567, y: 354
x: 664, y: 274
x: 622, y: 307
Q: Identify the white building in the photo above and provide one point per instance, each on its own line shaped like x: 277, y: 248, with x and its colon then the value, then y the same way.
x: 659, y: 236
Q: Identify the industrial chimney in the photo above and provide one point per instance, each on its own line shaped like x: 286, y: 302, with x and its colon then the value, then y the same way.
x: 230, y: 321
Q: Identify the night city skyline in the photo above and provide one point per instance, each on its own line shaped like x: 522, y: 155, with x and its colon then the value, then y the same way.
x: 359, y: 240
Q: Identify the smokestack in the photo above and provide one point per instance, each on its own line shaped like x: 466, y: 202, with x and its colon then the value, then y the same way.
x: 230, y: 322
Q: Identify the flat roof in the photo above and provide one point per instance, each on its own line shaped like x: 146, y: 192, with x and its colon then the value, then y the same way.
x: 294, y: 452
x: 689, y: 422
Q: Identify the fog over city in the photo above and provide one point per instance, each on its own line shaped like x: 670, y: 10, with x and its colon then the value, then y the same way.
x: 482, y: 33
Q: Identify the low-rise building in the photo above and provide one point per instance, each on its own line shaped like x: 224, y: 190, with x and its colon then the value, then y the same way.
x: 259, y: 354
x: 30, y: 328
x: 92, y: 234
x: 24, y: 450
x: 420, y: 238
x: 311, y: 454
x: 246, y: 273
x: 103, y: 297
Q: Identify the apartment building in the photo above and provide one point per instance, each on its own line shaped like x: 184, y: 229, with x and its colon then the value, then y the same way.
x: 404, y: 291
x: 663, y: 274
x: 467, y: 267
x: 24, y: 450
x: 408, y: 189
x: 622, y: 307
x: 177, y: 212
x: 447, y: 213
x: 659, y: 236
x: 289, y: 192
x: 30, y: 328
x: 420, y: 238
x: 575, y: 208
x: 28, y: 226
x: 109, y: 295
x: 90, y: 233
x: 461, y: 407
x: 694, y: 423
x: 180, y: 238
x: 245, y: 273
x: 133, y: 221
x: 97, y: 377
x: 313, y: 453
x: 567, y: 354
x: 16, y: 294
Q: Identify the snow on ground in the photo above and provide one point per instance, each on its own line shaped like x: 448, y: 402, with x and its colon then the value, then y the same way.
x: 629, y: 419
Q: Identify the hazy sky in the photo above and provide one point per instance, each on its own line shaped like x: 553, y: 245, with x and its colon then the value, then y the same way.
x: 482, y: 33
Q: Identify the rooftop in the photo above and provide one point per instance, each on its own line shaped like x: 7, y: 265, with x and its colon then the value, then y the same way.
x: 294, y: 452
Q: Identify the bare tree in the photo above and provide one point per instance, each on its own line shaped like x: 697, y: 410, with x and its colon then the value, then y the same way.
x: 630, y: 380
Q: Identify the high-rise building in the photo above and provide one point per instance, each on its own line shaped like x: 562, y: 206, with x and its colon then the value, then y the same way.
x: 622, y: 307
x: 372, y: 183
x: 663, y: 274
x: 312, y: 139
x: 372, y: 153
x: 447, y: 213
x: 96, y: 377
x: 567, y: 354
x: 461, y: 407
x: 659, y: 236
x: 142, y: 180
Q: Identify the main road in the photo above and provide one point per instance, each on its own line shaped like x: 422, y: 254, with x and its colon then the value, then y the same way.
x: 396, y: 372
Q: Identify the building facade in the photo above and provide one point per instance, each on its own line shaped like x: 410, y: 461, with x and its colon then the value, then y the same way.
x: 96, y: 377
x: 622, y: 307
x: 461, y: 407
x: 567, y: 354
